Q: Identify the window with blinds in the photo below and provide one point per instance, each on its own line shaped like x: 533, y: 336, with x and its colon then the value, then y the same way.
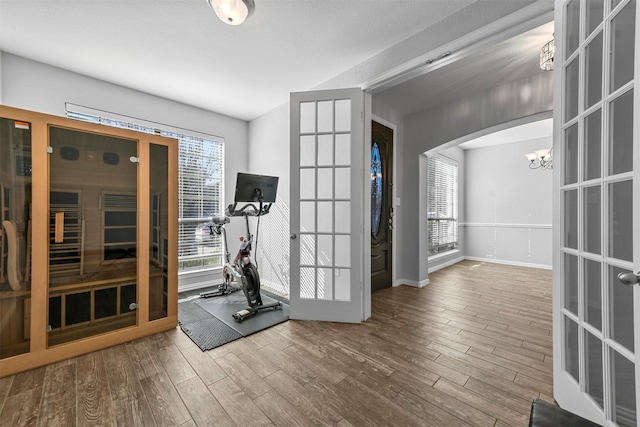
x: 442, y: 204
x: 201, y: 185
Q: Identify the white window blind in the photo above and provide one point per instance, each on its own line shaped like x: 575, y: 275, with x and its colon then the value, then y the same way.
x: 200, y: 181
x: 442, y: 204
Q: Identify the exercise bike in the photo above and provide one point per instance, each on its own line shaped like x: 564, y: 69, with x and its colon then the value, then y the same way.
x: 242, y: 270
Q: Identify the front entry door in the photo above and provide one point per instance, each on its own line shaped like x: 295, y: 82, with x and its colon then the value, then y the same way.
x: 381, y: 206
x: 327, y: 206
x: 596, y: 318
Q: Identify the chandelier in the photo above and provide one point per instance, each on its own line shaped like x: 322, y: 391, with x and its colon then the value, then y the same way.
x: 546, y: 56
x: 541, y: 159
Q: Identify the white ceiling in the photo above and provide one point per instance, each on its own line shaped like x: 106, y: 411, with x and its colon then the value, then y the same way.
x: 507, y: 61
x: 178, y: 49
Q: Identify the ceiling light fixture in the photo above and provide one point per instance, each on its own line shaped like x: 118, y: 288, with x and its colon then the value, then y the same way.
x: 232, y: 12
x: 546, y: 56
x: 541, y: 159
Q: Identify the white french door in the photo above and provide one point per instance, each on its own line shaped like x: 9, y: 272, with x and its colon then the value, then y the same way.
x: 327, y: 205
x: 597, y: 224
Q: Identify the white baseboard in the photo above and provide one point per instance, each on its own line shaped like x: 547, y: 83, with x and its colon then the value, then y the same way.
x: 446, y: 264
x: 414, y: 283
x: 506, y: 262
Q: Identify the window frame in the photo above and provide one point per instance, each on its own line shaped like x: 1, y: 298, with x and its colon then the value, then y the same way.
x: 115, y: 120
x: 442, y: 211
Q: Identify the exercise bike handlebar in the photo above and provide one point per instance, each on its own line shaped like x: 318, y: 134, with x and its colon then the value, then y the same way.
x: 248, y: 209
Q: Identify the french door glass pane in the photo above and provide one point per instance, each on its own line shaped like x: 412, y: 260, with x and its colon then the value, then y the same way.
x: 307, y: 117
x: 325, y: 116
x: 325, y: 150
x: 307, y: 150
x: 571, y: 155
x: 621, y: 220
x: 325, y: 250
x: 624, y: 386
x: 343, y: 284
x: 592, y: 209
x: 621, y: 309
x: 623, y: 28
x: 571, y: 356
x: 307, y: 216
x: 325, y: 183
x: 621, y: 140
x: 593, y: 86
x: 307, y: 183
x: 593, y: 148
x: 571, y: 283
x: 307, y: 283
x: 343, y: 183
x: 571, y: 219
x: 594, y: 373
x: 571, y: 90
x: 572, y: 20
x: 595, y: 9
x: 307, y: 249
x: 343, y: 149
x: 325, y: 283
x: 593, y: 293
x: 343, y: 115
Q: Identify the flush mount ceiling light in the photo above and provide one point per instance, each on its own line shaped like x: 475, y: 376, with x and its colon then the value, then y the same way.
x: 546, y: 56
x: 232, y: 12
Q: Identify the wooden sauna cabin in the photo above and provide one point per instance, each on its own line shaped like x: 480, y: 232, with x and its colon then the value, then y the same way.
x: 88, y: 243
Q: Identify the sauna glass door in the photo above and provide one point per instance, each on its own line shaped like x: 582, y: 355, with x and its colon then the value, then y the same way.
x: 158, y: 233
x: 15, y: 231
x: 92, y: 234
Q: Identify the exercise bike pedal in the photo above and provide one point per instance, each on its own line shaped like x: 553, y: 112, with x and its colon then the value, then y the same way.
x: 247, y: 312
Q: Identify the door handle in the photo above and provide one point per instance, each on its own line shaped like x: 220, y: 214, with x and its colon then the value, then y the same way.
x: 628, y: 279
x: 293, y: 236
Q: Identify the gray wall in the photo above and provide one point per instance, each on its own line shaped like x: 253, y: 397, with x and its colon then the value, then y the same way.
x: 508, y: 211
x: 43, y: 88
x: 452, y: 123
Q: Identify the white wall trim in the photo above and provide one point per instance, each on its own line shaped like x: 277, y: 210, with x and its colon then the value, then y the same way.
x: 446, y: 264
x: 505, y: 225
x: 415, y: 284
x: 507, y: 262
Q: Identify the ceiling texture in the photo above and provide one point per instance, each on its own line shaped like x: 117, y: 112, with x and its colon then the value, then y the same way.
x: 179, y: 49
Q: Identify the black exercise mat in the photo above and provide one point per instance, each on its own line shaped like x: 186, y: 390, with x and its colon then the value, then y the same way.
x: 209, y: 322
x: 224, y: 307
x: 205, y: 330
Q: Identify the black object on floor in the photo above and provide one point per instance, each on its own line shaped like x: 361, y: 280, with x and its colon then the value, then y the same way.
x: 544, y: 414
x: 225, y: 307
x: 209, y: 321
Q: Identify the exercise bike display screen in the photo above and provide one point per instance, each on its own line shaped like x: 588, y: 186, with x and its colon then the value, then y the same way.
x: 255, y: 188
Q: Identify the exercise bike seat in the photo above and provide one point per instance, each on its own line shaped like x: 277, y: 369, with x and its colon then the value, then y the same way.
x: 220, y: 220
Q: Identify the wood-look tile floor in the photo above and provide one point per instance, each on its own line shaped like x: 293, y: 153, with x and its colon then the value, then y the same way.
x: 471, y: 348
